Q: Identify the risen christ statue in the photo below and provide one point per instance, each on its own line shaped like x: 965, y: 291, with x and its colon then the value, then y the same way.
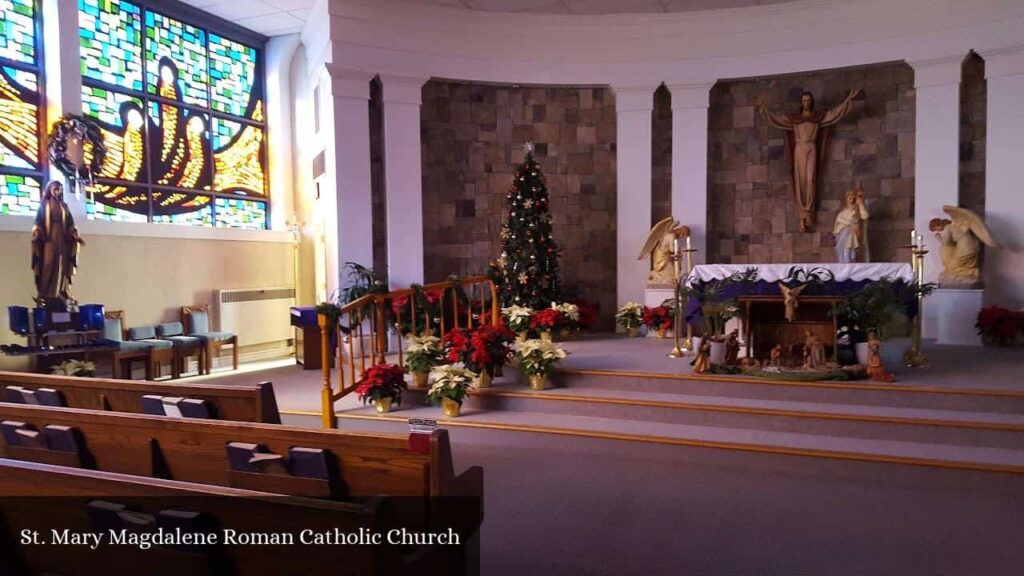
x: 807, y: 141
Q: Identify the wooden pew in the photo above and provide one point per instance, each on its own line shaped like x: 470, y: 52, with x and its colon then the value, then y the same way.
x: 362, y: 464
x: 244, y: 403
x: 42, y: 497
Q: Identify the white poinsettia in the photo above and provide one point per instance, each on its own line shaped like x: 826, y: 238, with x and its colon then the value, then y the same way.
x: 423, y: 344
x: 450, y: 381
x: 630, y: 314
x: 571, y: 311
x: 518, y: 317
x: 538, y: 356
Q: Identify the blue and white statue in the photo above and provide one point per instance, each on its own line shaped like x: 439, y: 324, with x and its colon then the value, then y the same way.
x: 851, y: 228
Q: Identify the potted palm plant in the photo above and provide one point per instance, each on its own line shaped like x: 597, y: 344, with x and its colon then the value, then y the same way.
x: 452, y: 383
x: 537, y: 360
x: 422, y: 353
x: 383, y: 384
x: 879, y: 307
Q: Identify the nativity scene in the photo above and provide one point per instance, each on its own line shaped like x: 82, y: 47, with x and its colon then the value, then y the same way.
x: 441, y: 287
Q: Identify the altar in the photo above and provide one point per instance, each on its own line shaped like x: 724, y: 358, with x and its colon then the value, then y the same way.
x: 786, y: 303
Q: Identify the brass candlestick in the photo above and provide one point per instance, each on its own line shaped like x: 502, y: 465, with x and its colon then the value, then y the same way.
x: 677, y: 350
x: 680, y: 351
x: 914, y: 357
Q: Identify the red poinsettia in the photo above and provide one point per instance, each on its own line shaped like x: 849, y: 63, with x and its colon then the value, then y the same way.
x: 658, y: 318
x: 547, y: 319
x: 588, y: 314
x: 456, y: 345
x: 481, y: 350
x: 382, y: 381
x: 999, y: 324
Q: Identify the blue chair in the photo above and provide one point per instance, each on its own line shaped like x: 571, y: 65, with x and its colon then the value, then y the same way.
x: 184, y: 346
x: 121, y: 361
x: 162, y: 350
x: 197, y: 323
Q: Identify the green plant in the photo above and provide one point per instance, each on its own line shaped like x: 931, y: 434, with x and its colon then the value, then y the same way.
x: 879, y: 307
x: 360, y: 281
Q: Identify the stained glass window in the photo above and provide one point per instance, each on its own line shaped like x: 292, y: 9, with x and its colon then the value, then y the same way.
x: 21, y: 167
x: 181, y: 110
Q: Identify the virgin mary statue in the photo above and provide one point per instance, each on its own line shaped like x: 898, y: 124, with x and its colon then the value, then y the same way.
x: 55, y: 243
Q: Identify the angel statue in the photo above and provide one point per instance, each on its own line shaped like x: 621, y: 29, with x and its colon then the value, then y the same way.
x: 961, y: 250
x: 789, y: 298
x: 659, y: 245
x: 851, y: 227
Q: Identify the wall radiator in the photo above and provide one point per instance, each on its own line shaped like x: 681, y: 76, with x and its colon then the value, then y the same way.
x: 257, y: 315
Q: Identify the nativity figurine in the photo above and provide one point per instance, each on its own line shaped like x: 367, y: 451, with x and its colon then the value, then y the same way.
x: 732, y: 348
x: 807, y: 142
x: 789, y: 298
x: 814, y: 351
x: 660, y: 246
x: 851, y: 228
x: 702, y: 363
x: 876, y: 368
x: 775, y: 356
x: 55, y: 243
x: 960, y: 240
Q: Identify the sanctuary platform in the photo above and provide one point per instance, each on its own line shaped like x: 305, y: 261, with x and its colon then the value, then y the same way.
x: 964, y: 410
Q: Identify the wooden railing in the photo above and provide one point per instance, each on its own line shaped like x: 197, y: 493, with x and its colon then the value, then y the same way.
x: 358, y: 338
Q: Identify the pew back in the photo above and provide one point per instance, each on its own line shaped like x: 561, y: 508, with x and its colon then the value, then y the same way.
x: 243, y: 403
x: 66, y: 493
x: 366, y: 464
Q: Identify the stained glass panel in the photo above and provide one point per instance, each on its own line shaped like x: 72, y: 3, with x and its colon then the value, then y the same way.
x: 171, y: 207
x: 180, y: 143
x: 238, y: 158
x: 18, y: 31
x: 19, y: 195
x: 19, y: 123
x: 121, y: 123
x: 176, y: 66
x: 110, y: 37
x: 232, y: 73
x: 118, y: 203
x: 241, y: 213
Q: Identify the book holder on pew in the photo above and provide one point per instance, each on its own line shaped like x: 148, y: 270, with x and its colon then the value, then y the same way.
x: 304, y: 473
x: 58, y: 445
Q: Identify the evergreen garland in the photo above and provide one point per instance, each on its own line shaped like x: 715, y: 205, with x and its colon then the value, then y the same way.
x: 527, y: 273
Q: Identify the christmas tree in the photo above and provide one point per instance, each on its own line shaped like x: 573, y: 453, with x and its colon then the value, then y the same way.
x: 527, y: 273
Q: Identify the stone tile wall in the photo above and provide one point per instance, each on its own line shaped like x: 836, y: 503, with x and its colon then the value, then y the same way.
x: 473, y: 138
x: 751, y: 213
x: 973, y: 95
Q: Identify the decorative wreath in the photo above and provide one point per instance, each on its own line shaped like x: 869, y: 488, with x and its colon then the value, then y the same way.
x: 70, y: 137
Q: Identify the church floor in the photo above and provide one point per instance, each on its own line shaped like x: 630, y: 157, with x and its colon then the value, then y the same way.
x: 621, y: 474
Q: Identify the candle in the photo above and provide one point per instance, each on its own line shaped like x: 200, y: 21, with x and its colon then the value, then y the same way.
x: 913, y: 238
x: 920, y: 241
x: 688, y: 243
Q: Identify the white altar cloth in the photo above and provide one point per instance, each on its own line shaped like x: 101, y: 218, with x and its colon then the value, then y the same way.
x: 858, y: 271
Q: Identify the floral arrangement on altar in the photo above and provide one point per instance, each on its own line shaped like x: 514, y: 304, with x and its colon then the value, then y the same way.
x: 80, y: 368
x: 537, y: 359
x: 383, y: 384
x: 660, y: 319
x: 999, y: 326
x: 517, y: 318
x: 452, y: 383
x: 630, y: 316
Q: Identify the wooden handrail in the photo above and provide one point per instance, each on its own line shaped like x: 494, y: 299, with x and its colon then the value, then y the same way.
x: 372, y: 312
